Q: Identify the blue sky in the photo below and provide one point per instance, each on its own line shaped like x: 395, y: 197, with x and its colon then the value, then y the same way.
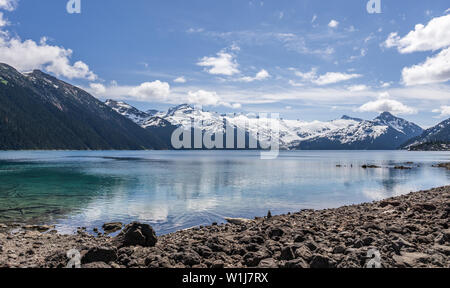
x: 309, y: 60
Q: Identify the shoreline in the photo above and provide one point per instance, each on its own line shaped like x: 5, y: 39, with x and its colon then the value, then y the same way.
x: 408, y: 231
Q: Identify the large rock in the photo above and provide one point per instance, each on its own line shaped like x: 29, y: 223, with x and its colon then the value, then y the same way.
x: 444, y: 249
x: 287, y: 253
x: 275, y: 232
x: 422, y: 207
x: 136, y: 234
x: 319, y: 261
x: 411, y: 259
x: 112, y: 227
x: 296, y: 263
x: 268, y: 263
x: 99, y: 254
x: 238, y: 221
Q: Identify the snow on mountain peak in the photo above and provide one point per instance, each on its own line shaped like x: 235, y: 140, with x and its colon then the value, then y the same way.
x: 344, y: 132
x: 398, y: 124
x: 137, y: 116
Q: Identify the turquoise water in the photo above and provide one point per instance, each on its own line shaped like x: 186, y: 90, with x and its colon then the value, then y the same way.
x: 172, y: 190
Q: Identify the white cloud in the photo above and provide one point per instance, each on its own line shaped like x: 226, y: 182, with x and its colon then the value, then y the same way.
x: 97, y: 88
x: 385, y: 84
x: 434, y: 36
x: 333, y: 24
x: 325, y: 79
x: 358, y: 88
x: 334, y: 77
x: 195, y: 30
x: 158, y: 91
x: 28, y: 55
x: 151, y: 91
x: 235, y: 47
x: 295, y: 84
x: 444, y: 111
x: 384, y: 95
x: 180, y: 80
x: 314, y: 18
x: 351, y: 29
x: 8, y: 5
x: 3, y: 21
x: 384, y: 104
x: 261, y: 75
x: 223, y: 64
x: 209, y: 98
x: 307, y: 76
x: 435, y: 69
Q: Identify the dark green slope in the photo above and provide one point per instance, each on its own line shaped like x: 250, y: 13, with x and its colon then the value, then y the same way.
x: 38, y: 111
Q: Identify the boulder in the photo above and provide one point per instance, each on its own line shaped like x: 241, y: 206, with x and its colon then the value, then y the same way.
x: 275, y: 232
x: 304, y: 252
x: 99, y: 254
x: 320, y: 261
x: 136, y: 234
x: 238, y: 221
x: 297, y: 263
x: 268, y: 263
x: 444, y: 249
x: 287, y: 253
x: 410, y: 259
x: 112, y: 227
x: 422, y: 207
x: 339, y: 249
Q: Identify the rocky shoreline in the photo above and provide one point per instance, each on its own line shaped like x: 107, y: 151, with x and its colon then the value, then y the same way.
x: 407, y: 231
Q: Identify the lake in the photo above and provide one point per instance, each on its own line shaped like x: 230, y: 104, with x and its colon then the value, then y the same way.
x: 173, y: 190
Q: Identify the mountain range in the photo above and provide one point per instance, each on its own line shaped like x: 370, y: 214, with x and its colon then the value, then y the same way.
x: 39, y: 111
x: 385, y: 132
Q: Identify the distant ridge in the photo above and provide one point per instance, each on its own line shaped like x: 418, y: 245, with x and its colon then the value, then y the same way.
x: 435, y: 138
x: 38, y: 111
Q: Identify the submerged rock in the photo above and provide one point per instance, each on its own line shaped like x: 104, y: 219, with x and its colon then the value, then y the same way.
x: 40, y: 228
x: 370, y: 166
x: 112, y: 227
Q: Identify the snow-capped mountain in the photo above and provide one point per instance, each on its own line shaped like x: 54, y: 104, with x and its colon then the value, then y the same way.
x: 401, y: 125
x: 139, y: 117
x: 384, y: 132
x: 434, y: 136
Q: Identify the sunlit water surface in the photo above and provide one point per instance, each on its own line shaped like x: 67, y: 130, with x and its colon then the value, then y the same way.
x: 172, y: 190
